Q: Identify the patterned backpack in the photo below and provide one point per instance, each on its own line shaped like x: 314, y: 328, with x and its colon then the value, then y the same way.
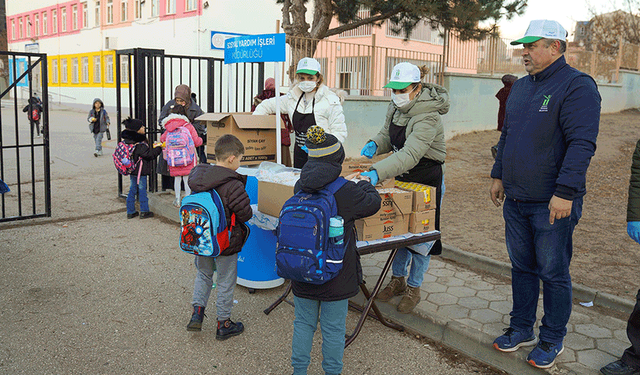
x: 122, y: 159
x: 180, y: 150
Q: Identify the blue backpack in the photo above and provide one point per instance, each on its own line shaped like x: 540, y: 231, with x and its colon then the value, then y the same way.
x: 304, y: 251
x: 203, y: 225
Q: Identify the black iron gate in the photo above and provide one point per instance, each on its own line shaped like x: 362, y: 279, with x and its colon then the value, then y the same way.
x: 146, y: 79
x: 24, y: 155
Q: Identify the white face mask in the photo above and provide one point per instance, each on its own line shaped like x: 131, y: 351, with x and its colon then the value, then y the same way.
x: 401, y: 99
x: 307, y: 86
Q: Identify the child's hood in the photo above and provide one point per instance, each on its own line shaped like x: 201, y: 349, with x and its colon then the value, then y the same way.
x: 96, y: 100
x: 130, y: 136
x: 204, y: 177
x: 174, y: 121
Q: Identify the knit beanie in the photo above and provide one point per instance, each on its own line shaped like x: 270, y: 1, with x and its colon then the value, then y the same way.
x: 132, y: 124
x: 183, y: 92
x: 323, y: 146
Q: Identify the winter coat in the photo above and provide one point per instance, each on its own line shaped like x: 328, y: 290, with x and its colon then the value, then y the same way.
x: 230, y: 185
x: 142, y: 150
x: 192, y: 112
x: 549, y: 135
x: 287, y: 127
x: 327, y: 109
x: 633, y: 205
x: 34, y: 103
x: 354, y: 201
x: 424, y: 132
x: 171, y: 123
x: 103, y: 117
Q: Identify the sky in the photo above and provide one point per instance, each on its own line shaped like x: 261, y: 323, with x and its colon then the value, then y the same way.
x: 567, y: 12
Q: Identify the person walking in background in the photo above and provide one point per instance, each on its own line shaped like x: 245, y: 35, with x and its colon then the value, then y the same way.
x: 413, y: 130
x: 549, y: 136
x: 34, y: 113
x: 502, y: 95
x: 309, y: 102
x: 629, y: 363
x: 172, y: 124
x: 270, y: 92
x: 98, y: 124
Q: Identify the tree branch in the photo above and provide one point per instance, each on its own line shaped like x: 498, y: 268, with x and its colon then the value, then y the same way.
x: 322, y: 16
x: 364, y: 21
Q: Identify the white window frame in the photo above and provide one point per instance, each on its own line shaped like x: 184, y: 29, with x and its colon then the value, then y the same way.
x: 171, y: 6
x: 20, y: 32
x: 36, y: 21
x: 13, y: 28
x: 124, y: 68
x: 54, y: 70
x: 63, y: 19
x: 85, y: 15
x: 154, y: 8
x: 124, y: 11
x: 54, y: 21
x: 137, y: 12
x: 108, y: 69
x: 45, y: 24
x: 27, y: 24
x: 85, y: 69
x: 191, y: 5
x: 97, y: 69
x: 65, y: 71
x: 109, y: 12
x: 74, y: 17
x: 98, y: 20
x: 75, y: 68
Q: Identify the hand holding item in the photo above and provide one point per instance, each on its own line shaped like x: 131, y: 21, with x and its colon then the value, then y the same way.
x: 92, y: 119
x: 369, y: 149
x: 633, y: 229
x: 159, y: 144
x: 372, y: 176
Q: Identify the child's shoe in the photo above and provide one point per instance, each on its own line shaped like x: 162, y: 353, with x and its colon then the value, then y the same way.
x: 195, y: 324
x: 544, y: 354
x: 144, y: 215
x: 228, y: 329
x: 176, y: 202
x: 95, y: 153
x: 131, y: 216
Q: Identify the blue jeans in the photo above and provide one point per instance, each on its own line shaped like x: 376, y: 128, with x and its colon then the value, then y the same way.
x: 540, y: 251
x: 97, y: 137
x: 141, y: 191
x: 419, y: 266
x: 333, y: 318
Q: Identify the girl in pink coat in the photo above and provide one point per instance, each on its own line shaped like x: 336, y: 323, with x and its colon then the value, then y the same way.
x: 175, y: 120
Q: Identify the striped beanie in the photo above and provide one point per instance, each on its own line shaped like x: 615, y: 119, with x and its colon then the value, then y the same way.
x: 321, y: 144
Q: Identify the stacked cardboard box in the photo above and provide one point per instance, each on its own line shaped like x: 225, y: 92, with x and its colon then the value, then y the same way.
x: 423, y: 208
x: 391, y: 220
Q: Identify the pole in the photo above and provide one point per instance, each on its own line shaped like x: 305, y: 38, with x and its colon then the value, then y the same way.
x: 276, y: 74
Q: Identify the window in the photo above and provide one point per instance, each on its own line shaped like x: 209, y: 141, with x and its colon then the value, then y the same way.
x: 191, y: 5
x: 124, y: 12
x: 74, y: 17
x: 98, y: 23
x: 108, y: 69
x: 74, y: 72
x: 27, y: 24
x: 124, y: 69
x: 54, y: 70
x: 85, y: 16
x: 63, y: 19
x: 36, y: 19
x: 45, y: 25
x: 138, y: 9
x: 154, y: 8
x: 13, y: 29
x: 171, y: 6
x: 20, y: 28
x: 54, y: 21
x: 109, y: 12
x: 85, y: 70
x: 63, y: 65
x: 96, y: 69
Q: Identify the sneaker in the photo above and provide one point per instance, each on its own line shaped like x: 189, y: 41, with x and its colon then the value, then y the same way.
x: 396, y: 287
x: 544, y: 354
x: 410, y: 300
x: 619, y: 368
x: 512, y: 340
x: 228, y: 329
x: 195, y: 324
x: 144, y: 215
x: 176, y: 202
x: 95, y: 153
x: 131, y: 216
x: 100, y: 153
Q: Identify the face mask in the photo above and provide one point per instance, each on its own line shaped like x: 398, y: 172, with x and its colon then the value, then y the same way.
x: 307, y: 86
x: 401, y: 99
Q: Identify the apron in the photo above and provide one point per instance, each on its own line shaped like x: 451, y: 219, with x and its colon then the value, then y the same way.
x: 301, y: 122
x: 426, y: 172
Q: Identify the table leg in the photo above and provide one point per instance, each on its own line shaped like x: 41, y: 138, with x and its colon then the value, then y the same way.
x: 371, y: 302
x: 282, y: 298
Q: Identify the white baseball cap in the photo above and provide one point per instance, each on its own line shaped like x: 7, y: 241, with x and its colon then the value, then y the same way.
x: 402, y: 75
x: 308, y: 65
x: 539, y: 29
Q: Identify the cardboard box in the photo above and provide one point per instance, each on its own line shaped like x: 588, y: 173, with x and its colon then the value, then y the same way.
x: 257, y: 134
x: 424, y: 221
x: 354, y: 166
x: 272, y: 196
x: 395, y: 202
x: 369, y: 230
x: 424, y: 196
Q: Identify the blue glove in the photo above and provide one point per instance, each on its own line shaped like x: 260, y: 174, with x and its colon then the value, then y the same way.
x: 369, y: 149
x: 305, y: 149
x: 373, y: 176
x: 633, y: 229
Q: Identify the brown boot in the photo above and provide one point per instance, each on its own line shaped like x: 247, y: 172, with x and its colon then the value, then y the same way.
x: 396, y: 287
x: 410, y: 300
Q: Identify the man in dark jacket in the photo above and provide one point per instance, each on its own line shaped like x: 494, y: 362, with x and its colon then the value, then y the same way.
x: 547, y: 142
x: 629, y: 363
x: 328, y: 303
x: 230, y: 185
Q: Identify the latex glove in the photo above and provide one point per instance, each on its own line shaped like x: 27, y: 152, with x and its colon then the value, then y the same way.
x: 305, y: 149
x: 633, y: 229
x: 372, y: 175
x: 369, y: 149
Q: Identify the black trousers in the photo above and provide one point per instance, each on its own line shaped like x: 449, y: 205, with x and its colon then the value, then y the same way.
x: 631, y: 356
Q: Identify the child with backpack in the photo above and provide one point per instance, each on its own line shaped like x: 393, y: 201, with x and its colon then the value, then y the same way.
x: 328, y: 302
x: 141, y: 157
x: 230, y: 186
x: 34, y: 112
x: 180, y: 139
x: 98, y: 124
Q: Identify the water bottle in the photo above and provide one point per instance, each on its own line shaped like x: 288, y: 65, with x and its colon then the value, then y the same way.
x: 336, y: 227
x: 215, y: 278
x: 126, y: 162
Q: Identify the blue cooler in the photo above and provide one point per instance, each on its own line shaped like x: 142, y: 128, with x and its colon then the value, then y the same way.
x: 257, y: 260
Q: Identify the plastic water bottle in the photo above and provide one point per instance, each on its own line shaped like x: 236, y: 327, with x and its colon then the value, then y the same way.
x: 336, y: 227
x: 126, y: 162
x: 214, y: 277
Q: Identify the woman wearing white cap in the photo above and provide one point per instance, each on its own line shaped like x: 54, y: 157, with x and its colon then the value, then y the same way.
x: 309, y: 102
x: 413, y: 131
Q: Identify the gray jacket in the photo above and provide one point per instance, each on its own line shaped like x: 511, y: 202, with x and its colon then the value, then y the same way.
x: 104, y: 116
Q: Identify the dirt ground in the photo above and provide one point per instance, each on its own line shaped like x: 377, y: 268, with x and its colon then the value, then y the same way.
x: 604, y: 256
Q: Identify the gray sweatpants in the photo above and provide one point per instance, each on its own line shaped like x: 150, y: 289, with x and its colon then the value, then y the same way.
x: 227, y: 267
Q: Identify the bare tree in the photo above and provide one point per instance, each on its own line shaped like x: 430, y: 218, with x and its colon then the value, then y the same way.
x: 608, y: 29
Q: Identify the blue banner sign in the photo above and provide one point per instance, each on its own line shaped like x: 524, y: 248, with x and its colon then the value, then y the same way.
x: 255, y: 48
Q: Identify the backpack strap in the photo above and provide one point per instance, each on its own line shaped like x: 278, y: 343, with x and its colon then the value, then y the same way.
x: 335, y: 185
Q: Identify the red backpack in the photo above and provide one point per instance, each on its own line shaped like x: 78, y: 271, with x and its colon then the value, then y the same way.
x: 35, y: 114
x: 122, y: 159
